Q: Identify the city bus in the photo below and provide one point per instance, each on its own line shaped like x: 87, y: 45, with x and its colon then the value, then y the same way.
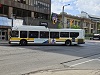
x: 24, y: 35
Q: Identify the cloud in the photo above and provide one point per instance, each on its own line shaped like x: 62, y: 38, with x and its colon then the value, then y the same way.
x: 89, y: 6
x: 76, y: 6
x: 56, y: 5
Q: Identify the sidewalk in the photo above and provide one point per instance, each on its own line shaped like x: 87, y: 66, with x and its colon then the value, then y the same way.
x: 69, y: 72
x: 92, y: 41
x: 4, y: 41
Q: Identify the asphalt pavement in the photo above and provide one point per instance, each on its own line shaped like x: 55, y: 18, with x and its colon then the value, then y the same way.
x: 50, y: 60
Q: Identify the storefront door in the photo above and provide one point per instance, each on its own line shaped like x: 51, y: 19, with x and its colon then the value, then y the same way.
x: 3, y: 34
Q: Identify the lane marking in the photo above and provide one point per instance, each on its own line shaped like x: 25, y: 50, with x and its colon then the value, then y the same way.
x: 83, y: 62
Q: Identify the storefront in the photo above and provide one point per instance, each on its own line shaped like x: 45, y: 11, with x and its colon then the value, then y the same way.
x: 4, y: 32
x: 5, y: 26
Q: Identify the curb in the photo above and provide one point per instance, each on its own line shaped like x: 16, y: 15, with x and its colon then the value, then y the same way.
x: 4, y: 42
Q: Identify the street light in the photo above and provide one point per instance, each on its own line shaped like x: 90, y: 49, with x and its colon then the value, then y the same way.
x: 63, y: 14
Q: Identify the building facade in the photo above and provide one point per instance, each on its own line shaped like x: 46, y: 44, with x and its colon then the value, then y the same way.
x: 92, y: 25
x: 86, y: 23
x: 4, y: 31
x: 36, y: 9
x: 26, y: 8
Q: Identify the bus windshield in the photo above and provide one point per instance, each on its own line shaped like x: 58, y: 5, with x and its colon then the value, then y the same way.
x: 14, y: 34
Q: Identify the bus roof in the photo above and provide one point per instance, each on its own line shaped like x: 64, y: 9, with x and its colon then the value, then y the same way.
x: 29, y: 28
x: 42, y: 28
x: 66, y: 29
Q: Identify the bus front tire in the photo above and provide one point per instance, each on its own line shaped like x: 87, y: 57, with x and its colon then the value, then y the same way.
x: 68, y: 43
x: 23, y: 42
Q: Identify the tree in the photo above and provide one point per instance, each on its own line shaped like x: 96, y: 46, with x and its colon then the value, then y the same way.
x: 59, y: 25
x: 75, y: 27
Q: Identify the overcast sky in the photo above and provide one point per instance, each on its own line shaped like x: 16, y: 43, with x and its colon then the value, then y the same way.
x: 76, y: 6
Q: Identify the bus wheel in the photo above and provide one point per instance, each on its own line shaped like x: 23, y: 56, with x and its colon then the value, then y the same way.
x: 23, y: 42
x: 68, y: 43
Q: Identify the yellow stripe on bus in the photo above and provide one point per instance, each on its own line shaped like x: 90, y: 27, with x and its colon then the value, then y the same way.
x: 62, y: 39
x: 18, y: 39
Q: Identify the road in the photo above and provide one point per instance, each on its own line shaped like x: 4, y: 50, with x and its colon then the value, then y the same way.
x: 17, y: 60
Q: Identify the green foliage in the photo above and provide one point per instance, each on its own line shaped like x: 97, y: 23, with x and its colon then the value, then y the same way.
x: 59, y: 25
x: 75, y: 27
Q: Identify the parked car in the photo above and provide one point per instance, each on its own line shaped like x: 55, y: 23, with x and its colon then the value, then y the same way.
x: 95, y: 37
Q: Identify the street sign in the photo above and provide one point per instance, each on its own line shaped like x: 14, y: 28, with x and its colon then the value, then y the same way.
x: 43, y: 24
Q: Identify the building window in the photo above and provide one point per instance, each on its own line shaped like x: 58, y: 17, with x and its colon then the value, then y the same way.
x: 34, y: 2
x: 3, y: 38
x: 24, y: 1
x: 3, y: 33
x: 79, y: 23
x: 86, y: 31
x: 75, y: 22
x: 21, y: 13
x: 92, y: 26
x: 40, y: 4
x: 91, y: 30
x: 4, y: 10
x: 0, y: 33
x: 27, y: 2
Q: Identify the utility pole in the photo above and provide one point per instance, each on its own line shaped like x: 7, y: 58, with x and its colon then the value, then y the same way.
x: 12, y: 18
x: 11, y: 22
x: 63, y: 14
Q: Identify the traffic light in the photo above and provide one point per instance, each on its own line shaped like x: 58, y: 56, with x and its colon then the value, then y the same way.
x: 71, y: 22
x: 54, y: 21
x: 54, y: 18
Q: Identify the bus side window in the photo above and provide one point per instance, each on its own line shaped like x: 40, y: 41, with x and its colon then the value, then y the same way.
x: 54, y: 34
x: 74, y: 34
x: 14, y: 33
x: 23, y: 34
x: 33, y: 34
x: 44, y: 34
x: 64, y: 34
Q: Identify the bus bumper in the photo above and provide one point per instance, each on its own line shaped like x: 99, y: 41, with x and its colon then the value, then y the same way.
x: 81, y: 42
x: 13, y: 42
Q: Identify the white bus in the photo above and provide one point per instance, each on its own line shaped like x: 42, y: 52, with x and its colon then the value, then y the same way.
x: 24, y: 35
